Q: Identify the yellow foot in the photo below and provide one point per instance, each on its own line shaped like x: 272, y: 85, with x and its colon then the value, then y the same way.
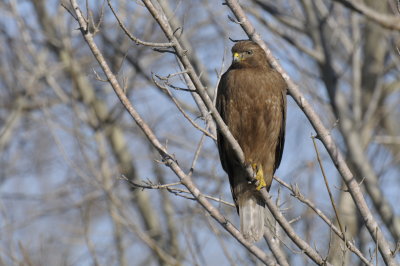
x: 259, y: 176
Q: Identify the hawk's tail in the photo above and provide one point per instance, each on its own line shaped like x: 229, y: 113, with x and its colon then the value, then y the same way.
x: 252, y: 213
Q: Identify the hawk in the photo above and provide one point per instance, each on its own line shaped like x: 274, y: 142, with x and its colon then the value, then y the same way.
x: 251, y: 99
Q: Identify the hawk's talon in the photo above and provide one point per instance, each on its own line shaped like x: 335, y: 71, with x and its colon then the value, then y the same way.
x: 259, y: 176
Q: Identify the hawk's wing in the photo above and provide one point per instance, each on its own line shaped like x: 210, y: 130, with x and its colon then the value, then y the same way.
x: 281, y: 138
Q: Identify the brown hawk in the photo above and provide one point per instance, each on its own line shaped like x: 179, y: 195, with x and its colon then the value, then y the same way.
x: 251, y: 99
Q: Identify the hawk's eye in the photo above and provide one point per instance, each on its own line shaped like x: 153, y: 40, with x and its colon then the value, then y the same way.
x: 249, y: 52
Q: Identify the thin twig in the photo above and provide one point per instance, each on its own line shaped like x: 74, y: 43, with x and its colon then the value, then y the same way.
x: 327, y: 185
x: 131, y: 36
x: 197, y: 153
x: 175, y: 191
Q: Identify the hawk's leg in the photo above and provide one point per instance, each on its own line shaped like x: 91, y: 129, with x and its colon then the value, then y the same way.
x: 259, y: 175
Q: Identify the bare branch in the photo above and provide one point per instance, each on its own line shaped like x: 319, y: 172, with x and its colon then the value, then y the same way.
x: 175, y: 191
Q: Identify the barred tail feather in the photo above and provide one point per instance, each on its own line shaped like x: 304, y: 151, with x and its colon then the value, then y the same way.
x: 252, y: 215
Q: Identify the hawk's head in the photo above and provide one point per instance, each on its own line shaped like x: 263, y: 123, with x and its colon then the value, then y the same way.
x: 248, y: 54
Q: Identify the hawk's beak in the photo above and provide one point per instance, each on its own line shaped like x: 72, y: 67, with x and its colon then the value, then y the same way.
x: 237, y: 57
